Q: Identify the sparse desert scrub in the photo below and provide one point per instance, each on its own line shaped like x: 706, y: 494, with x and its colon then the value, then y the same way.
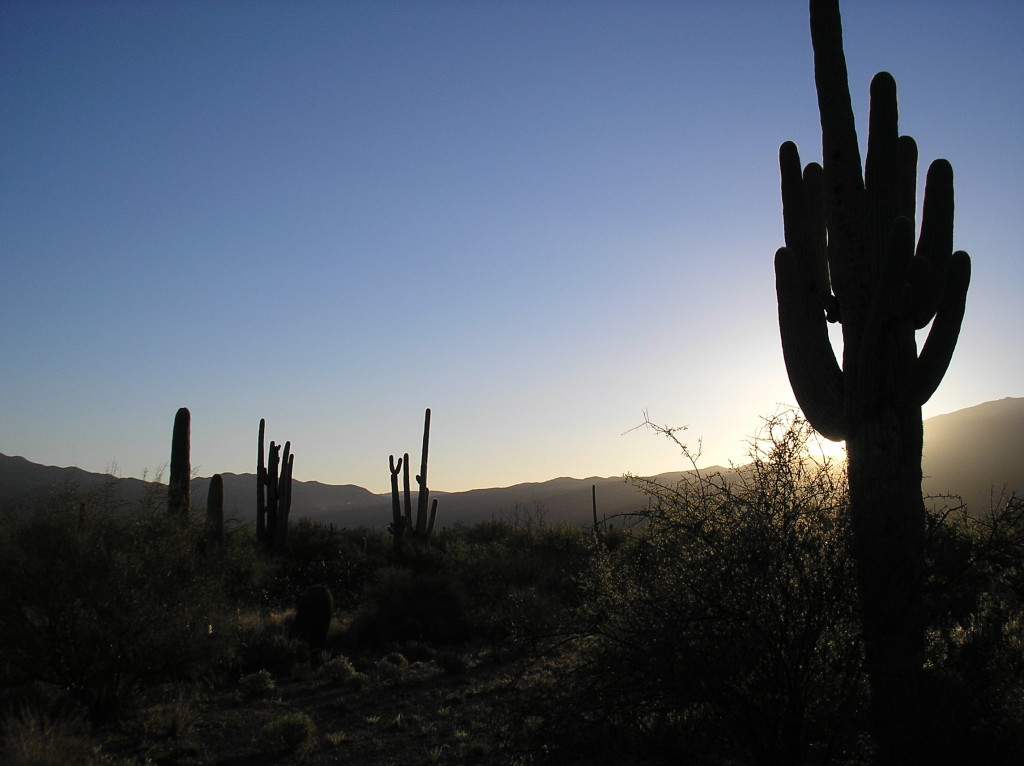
x: 294, y: 731
x: 338, y: 670
x: 973, y: 702
x: 523, y: 579
x: 32, y: 738
x: 100, y: 604
x: 722, y: 627
x: 406, y: 605
x: 262, y: 641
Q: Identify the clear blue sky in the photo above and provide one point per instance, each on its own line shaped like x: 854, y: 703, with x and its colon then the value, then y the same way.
x: 537, y: 218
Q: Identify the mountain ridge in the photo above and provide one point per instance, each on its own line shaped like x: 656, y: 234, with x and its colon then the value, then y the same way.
x: 976, y: 453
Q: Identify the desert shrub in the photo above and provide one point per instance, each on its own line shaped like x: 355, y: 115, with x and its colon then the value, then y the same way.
x: 519, y: 581
x: 345, y: 561
x: 99, y: 604
x: 241, y: 567
x: 264, y: 644
x: 339, y: 670
x: 257, y: 685
x: 294, y: 731
x: 975, y: 705
x: 313, y: 616
x: 31, y: 738
x: 723, y: 627
x: 405, y: 605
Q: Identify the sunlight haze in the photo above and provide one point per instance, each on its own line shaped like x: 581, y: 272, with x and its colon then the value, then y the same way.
x: 541, y: 220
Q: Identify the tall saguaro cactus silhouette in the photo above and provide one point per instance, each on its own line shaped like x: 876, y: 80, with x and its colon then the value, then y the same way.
x: 850, y: 257
x: 178, y: 499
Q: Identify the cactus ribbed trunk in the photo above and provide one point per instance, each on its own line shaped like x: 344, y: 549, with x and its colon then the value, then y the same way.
x: 423, y: 526
x: 261, y: 489
x: 884, y: 467
x: 215, y: 517
x: 850, y: 257
x: 181, y: 466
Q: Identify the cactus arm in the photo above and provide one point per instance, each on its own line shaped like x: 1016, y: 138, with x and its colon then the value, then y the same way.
x: 804, y: 298
x: 810, y: 362
x: 395, y: 500
x: 938, y: 348
x: 935, y: 246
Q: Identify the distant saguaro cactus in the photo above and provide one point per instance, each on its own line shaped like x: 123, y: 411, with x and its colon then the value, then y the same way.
x: 423, y: 527
x: 398, y: 524
x: 273, y: 493
x: 215, y: 517
x: 850, y: 257
x: 181, y: 467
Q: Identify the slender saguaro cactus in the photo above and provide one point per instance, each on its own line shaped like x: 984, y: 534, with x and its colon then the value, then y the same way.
x: 181, y: 467
x: 261, y: 483
x: 273, y: 493
x: 423, y: 527
x: 850, y: 257
x: 215, y: 517
x: 397, y: 527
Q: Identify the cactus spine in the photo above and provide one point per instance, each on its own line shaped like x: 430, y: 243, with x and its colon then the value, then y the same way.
x: 423, y: 527
x: 181, y: 467
x: 850, y: 257
x: 273, y: 493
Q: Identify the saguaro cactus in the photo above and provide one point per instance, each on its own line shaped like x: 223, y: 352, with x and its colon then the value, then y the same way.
x: 181, y: 467
x: 273, y: 493
x: 397, y: 526
x: 424, y: 526
x: 850, y: 257
x: 215, y: 517
x: 421, y: 530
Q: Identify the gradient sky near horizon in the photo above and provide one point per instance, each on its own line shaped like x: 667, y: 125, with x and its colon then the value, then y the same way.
x: 539, y: 219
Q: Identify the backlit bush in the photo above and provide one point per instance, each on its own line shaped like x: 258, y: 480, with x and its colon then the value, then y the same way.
x: 723, y: 625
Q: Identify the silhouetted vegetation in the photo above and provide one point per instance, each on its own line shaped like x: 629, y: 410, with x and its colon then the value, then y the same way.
x: 850, y: 257
x: 720, y: 624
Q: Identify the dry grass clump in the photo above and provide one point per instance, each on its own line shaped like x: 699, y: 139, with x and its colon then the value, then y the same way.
x: 295, y: 731
x: 31, y: 738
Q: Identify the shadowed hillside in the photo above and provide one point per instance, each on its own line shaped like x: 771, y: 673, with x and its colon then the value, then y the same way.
x: 975, y: 452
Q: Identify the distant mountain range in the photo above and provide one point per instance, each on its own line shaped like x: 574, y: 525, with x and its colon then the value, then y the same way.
x: 975, y: 453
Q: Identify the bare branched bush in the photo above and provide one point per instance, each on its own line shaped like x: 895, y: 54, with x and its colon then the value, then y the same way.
x: 724, y: 624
